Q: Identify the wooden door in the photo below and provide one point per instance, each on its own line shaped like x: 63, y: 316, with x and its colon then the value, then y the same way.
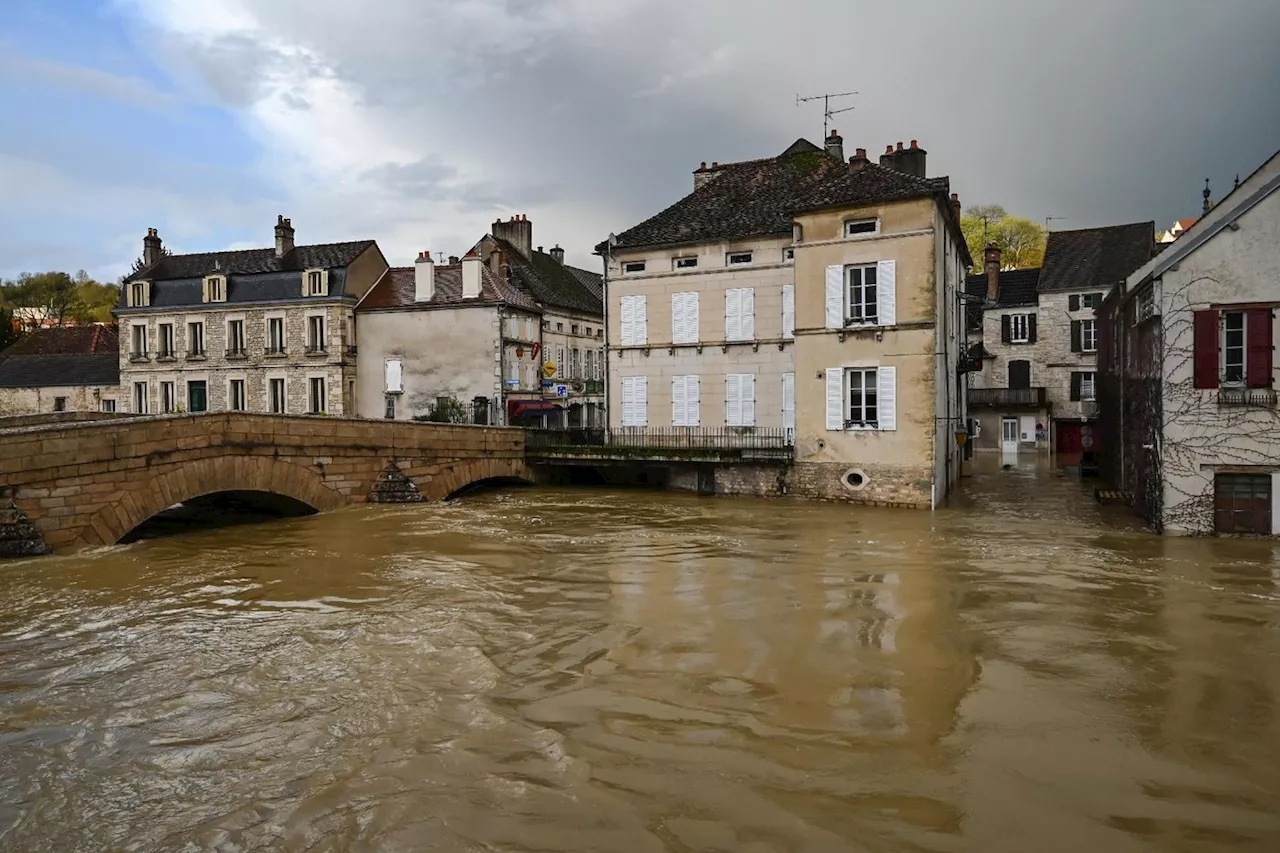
x: 1020, y: 374
x: 1242, y: 503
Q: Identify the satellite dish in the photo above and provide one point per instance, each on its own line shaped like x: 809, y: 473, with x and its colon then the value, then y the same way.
x: 613, y: 239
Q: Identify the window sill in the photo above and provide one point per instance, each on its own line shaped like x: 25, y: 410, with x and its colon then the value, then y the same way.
x: 166, y: 357
x: 138, y: 358
x: 852, y: 427
x: 237, y: 355
x: 315, y: 353
x: 275, y: 354
x: 193, y: 356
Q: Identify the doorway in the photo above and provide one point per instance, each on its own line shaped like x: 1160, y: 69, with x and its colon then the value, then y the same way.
x: 1020, y: 374
x: 1009, y: 436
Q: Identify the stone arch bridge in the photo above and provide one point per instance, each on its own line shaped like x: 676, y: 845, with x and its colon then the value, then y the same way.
x: 84, y: 484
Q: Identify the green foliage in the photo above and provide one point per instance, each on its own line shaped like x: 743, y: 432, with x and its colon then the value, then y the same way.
x: 139, y: 266
x: 447, y: 410
x: 1020, y: 239
x: 61, y: 298
x: 10, y: 332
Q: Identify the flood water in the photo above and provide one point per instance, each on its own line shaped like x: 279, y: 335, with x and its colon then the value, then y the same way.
x: 597, y: 670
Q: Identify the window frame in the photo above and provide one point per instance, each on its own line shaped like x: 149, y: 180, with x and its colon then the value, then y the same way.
x: 315, y: 283
x: 165, y: 341
x: 849, y: 224
x: 1223, y: 364
x: 743, y: 257
x: 107, y: 405
x: 203, y: 384
x: 317, y: 403
x: 195, y: 334
x: 861, y: 269
x: 316, y: 334
x: 271, y: 396
x: 272, y: 324
x: 59, y: 404
x: 235, y: 334
x: 1088, y: 332
x: 688, y: 262
x: 389, y: 407
x: 1088, y: 379
x: 168, y: 397
x: 241, y: 384
x: 1014, y: 337
x: 850, y: 422
x: 632, y: 267
x: 141, y: 398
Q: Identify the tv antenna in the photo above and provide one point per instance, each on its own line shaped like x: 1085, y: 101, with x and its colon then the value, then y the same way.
x: 827, y: 112
x: 1049, y: 219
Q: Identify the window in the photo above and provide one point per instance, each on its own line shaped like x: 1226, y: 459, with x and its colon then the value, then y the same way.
x: 1020, y: 373
x: 740, y: 314
x: 236, y: 395
x: 138, y: 341
x: 575, y: 360
x: 589, y: 364
x: 685, y: 263
x: 108, y: 405
x: 862, y: 301
x: 633, y: 327
x: 215, y: 289
x: 195, y: 340
x: 1233, y: 346
x: 574, y: 329
x: 740, y: 399
x: 166, y: 340
x: 235, y: 338
x: 315, y: 334
x: 59, y: 404
x: 1084, y: 335
x: 1242, y: 503
x: 864, y: 410
x: 788, y: 255
x: 197, y: 396
x: 788, y: 310
x: 1018, y: 328
x: 275, y: 396
x: 635, y: 401
x: 684, y: 401
x: 862, y: 398
x: 684, y: 318
x: 588, y: 331
x: 736, y: 258
x: 275, y: 336
x: 1084, y: 302
x: 315, y: 283
x: 633, y: 267
x: 393, y: 372
x: 854, y: 227
x: 789, y: 405
x: 389, y: 412
x: 316, y: 395
x: 168, y: 397
x: 1083, y: 385
x: 599, y: 333
x: 140, y: 398
x: 528, y: 329
x: 600, y: 364
x: 138, y: 294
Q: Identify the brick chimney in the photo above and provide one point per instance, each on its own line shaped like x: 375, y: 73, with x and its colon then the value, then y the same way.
x: 955, y: 205
x: 284, y: 236
x: 557, y: 254
x: 835, y: 145
x: 518, y: 231
x: 991, y: 261
x: 152, y: 248
x: 424, y: 278
x: 910, y: 160
x: 859, y: 160
x: 472, y: 274
x: 495, y: 262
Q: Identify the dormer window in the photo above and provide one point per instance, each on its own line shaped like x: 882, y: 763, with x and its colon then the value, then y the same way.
x: 858, y: 227
x: 315, y: 283
x: 215, y: 288
x: 139, y: 294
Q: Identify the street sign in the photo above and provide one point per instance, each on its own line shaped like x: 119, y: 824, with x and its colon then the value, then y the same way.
x: 549, y: 368
x: 562, y: 391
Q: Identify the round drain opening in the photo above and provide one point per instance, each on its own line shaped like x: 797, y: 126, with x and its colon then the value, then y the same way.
x: 854, y: 480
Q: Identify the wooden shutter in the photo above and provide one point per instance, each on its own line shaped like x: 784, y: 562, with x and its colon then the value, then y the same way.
x: 678, y: 401
x: 691, y: 318
x: 677, y: 318
x: 1257, y: 337
x: 1077, y: 343
x: 626, y: 320
x: 1075, y: 385
x: 789, y: 401
x: 886, y: 296
x: 835, y: 398
x: 747, y: 398
x: 628, y: 396
x: 393, y: 375
x: 641, y: 399
x: 1006, y: 329
x: 732, y: 314
x: 1205, y: 348
x: 640, y: 325
x: 835, y: 299
x: 887, y: 401
x: 732, y: 399
x: 692, y: 408
x: 1031, y: 328
x: 788, y: 310
x: 1073, y: 304
x: 747, y: 313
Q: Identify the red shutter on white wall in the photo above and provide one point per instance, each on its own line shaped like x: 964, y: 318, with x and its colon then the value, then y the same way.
x: 1258, y: 340
x: 1206, y: 349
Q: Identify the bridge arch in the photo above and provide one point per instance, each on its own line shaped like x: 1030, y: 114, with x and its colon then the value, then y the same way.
x: 148, y: 493
x: 452, y: 479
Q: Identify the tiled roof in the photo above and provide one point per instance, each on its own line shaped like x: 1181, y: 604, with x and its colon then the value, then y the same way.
x: 551, y: 282
x: 45, y: 371
x: 396, y: 289
x: 1095, y: 258
x: 69, y: 340
x: 1017, y: 288
x: 251, y: 261
x: 871, y: 184
x: 592, y: 281
x: 744, y: 199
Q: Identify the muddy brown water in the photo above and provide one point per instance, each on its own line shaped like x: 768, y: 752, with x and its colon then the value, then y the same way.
x: 598, y: 670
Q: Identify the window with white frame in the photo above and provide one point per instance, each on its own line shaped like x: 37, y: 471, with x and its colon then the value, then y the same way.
x: 685, y: 405
x: 684, y: 263
x: 740, y: 399
x: 862, y: 299
x: 108, y: 405
x: 315, y: 334
x: 316, y: 395
x: 195, y: 340
x: 1089, y: 335
x: 168, y: 397
x: 589, y: 364
x: 1233, y: 346
x: 635, y: 401
x: 740, y: 314
x: 1088, y: 386
x: 633, y: 326
x: 165, y: 344
x: 215, y: 289
x: 236, y: 399
x: 856, y: 227
x: 575, y: 360
x: 633, y: 267
x: 1019, y: 328
x: 235, y: 337
x: 275, y: 335
x: 393, y: 372
x: 138, y: 340
x: 138, y: 294
x: 141, y: 398
x: 862, y: 398
x: 734, y: 259
x: 276, y: 398
x: 389, y: 407
x: 315, y: 283
x: 684, y: 318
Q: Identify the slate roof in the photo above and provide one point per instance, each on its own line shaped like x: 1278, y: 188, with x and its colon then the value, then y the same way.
x: 45, y: 371
x: 252, y: 261
x: 396, y: 289
x: 1017, y: 288
x: 553, y: 283
x: 744, y: 199
x: 592, y: 281
x: 871, y: 184
x: 67, y: 340
x: 1096, y: 258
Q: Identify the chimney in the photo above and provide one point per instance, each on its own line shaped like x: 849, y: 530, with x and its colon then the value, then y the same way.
x: 453, y: 260
x: 886, y: 159
x: 835, y: 145
x: 955, y: 205
x: 152, y: 248
x: 991, y: 260
x: 284, y: 237
x: 518, y: 231
x: 704, y: 173
x: 471, y: 275
x: 859, y: 160
x: 910, y: 161
x: 495, y: 262
x: 557, y: 254
x: 424, y: 278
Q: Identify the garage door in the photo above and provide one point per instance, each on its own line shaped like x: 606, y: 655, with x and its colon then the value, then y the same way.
x: 1242, y: 503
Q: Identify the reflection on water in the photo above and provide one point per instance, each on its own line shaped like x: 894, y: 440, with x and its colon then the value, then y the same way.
x: 609, y: 670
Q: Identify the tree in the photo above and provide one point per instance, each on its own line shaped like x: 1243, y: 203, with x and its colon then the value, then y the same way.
x: 10, y: 331
x: 139, y: 265
x: 57, y: 298
x: 1021, y: 240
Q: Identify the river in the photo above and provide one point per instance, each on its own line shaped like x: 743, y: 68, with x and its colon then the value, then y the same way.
x: 599, y: 670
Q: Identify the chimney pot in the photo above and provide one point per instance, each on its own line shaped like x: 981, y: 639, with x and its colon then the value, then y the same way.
x: 835, y: 145
x: 703, y: 165
x: 715, y: 164
x: 152, y: 247
x: 955, y: 205
x: 471, y: 275
x: 557, y: 254
x: 284, y: 236
x: 424, y: 278
x: 991, y: 260
x: 899, y: 145
x: 453, y: 260
x: 518, y: 231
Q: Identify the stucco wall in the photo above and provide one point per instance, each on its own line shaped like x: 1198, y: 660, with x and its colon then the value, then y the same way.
x: 79, y: 398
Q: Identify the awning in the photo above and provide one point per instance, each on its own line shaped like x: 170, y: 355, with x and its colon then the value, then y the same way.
x: 516, y: 408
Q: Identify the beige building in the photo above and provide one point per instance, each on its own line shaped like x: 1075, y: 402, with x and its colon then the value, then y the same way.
x: 806, y: 295
x: 70, y: 369
x: 260, y: 330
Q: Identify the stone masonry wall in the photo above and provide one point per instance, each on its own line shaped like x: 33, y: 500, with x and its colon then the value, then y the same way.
x: 882, y: 485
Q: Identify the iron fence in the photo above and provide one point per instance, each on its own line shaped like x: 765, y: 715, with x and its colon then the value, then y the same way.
x: 663, y: 438
x: 1261, y: 398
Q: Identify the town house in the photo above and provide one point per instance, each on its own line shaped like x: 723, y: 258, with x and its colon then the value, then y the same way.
x: 61, y: 369
x: 258, y: 330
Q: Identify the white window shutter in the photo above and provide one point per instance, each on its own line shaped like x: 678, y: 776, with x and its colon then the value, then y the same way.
x: 678, y: 410
x: 640, y: 328
x: 393, y: 373
x: 886, y: 297
x: 628, y: 401
x: 887, y: 379
x: 626, y: 320
x: 748, y: 395
x: 788, y: 401
x: 677, y: 318
x: 691, y: 318
x: 747, y: 313
x: 514, y: 373
x: 788, y: 310
x: 835, y: 398
x: 691, y: 403
x: 835, y: 298
x: 642, y: 400
x: 732, y: 399
x: 731, y: 314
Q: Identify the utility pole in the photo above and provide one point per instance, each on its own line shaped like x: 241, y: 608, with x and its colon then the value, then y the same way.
x: 827, y: 112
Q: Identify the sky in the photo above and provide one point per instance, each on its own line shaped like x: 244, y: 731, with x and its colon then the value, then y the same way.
x: 418, y: 122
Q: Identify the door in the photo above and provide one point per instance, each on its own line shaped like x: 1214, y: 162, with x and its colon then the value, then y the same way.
x: 1242, y: 503
x: 789, y: 406
x: 197, y: 397
x: 1009, y: 435
x: 1020, y: 374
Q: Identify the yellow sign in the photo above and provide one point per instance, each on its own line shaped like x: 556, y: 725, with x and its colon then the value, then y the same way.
x: 549, y: 368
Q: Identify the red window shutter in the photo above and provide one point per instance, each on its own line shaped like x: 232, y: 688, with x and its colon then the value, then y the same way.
x: 1257, y: 337
x: 1206, y: 349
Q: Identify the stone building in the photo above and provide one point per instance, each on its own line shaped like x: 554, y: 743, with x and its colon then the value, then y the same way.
x: 1189, y: 409
x: 808, y: 295
x: 258, y: 330
x: 74, y: 369
x: 1037, y: 391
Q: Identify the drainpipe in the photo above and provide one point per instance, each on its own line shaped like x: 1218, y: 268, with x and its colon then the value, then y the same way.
x: 608, y: 379
x: 502, y: 370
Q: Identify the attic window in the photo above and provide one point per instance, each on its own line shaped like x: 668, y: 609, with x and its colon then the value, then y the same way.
x: 633, y: 266
x: 315, y: 283
x: 685, y: 263
x: 215, y: 289
x: 854, y: 227
x: 788, y: 255
x: 739, y: 258
x: 138, y: 294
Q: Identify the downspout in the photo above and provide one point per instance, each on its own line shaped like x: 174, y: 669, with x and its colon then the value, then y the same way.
x: 608, y: 379
x: 502, y: 370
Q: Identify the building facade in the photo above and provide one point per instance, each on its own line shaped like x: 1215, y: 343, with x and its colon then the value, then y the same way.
x: 808, y: 295
x: 1190, y: 373
x: 261, y: 330
x: 69, y: 369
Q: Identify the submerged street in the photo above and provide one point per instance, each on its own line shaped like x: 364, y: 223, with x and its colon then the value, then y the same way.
x: 589, y: 669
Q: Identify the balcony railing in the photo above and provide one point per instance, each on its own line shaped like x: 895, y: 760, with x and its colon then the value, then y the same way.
x: 1258, y: 398
x: 706, y: 439
x: 139, y: 355
x: 1006, y: 397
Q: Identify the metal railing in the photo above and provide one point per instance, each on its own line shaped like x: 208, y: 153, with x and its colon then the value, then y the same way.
x: 1259, y: 398
x: 1006, y: 396
x: 663, y: 438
